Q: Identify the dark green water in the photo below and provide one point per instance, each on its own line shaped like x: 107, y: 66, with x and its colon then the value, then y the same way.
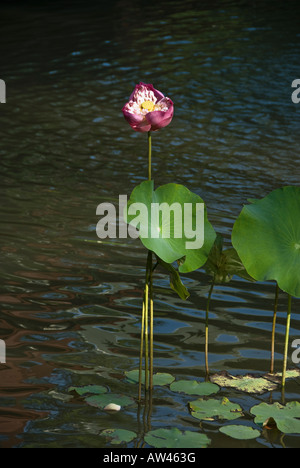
x: 70, y: 305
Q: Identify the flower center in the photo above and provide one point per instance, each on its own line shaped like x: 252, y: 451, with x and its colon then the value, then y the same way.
x: 148, y: 105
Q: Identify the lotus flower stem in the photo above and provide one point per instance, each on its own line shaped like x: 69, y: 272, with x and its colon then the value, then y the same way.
x: 149, y: 155
x: 273, y: 329
x: 206, y: 327
x: 144, y: 335
x: 146, y: 330
x: 147, y: 110
x: 146, y: 320
x: 151, y: 321
x: 149, y: 266
x: 141, y: 349
x: 288, y: 322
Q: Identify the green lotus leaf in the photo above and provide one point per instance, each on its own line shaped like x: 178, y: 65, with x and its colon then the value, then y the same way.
x: 102, y: 400
x: 287, y: 417
x: 192, y: 387
x: 160, y: 378
x: 212, y: 409
x: 174, y: 438
x: 172, y: 222
x: 175, y: 280
x: 85, y: 389
x: 240, y: 432
x: 266, y: 236
x: 118, y: 436
x: 224, y: 264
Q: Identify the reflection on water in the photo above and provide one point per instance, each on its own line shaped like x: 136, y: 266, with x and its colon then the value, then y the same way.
x: 70, y: 305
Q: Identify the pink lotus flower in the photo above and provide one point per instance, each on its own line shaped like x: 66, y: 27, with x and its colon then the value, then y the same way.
x: 148, y: 109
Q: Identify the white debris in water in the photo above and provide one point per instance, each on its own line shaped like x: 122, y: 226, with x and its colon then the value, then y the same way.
x: 112, y: 407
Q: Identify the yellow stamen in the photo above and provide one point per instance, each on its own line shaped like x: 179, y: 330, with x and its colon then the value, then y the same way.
x: 148, y: 105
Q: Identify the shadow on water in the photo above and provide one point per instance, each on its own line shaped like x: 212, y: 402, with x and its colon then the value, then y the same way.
x: 70, y: 303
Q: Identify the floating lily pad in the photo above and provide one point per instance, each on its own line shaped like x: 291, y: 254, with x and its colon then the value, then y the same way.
x: 171, y: 236
x: 119, y: 436
x: 85, y: 389
x: 212, y: 409
x: 192, y: 387
x: 240, y: 432
x: 160, y: 378
x: 290, y: 374
x: 266, y: 236
x: 245, y: 383
x: 287, y: 418
x: 101, y: 401
x: 59, y: 395
x: 174, y: 438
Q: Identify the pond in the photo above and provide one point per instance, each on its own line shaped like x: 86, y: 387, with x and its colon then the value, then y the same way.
x: 70, y: 302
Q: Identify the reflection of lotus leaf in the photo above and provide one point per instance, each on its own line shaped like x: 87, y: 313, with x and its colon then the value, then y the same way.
x: 266, y: 236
